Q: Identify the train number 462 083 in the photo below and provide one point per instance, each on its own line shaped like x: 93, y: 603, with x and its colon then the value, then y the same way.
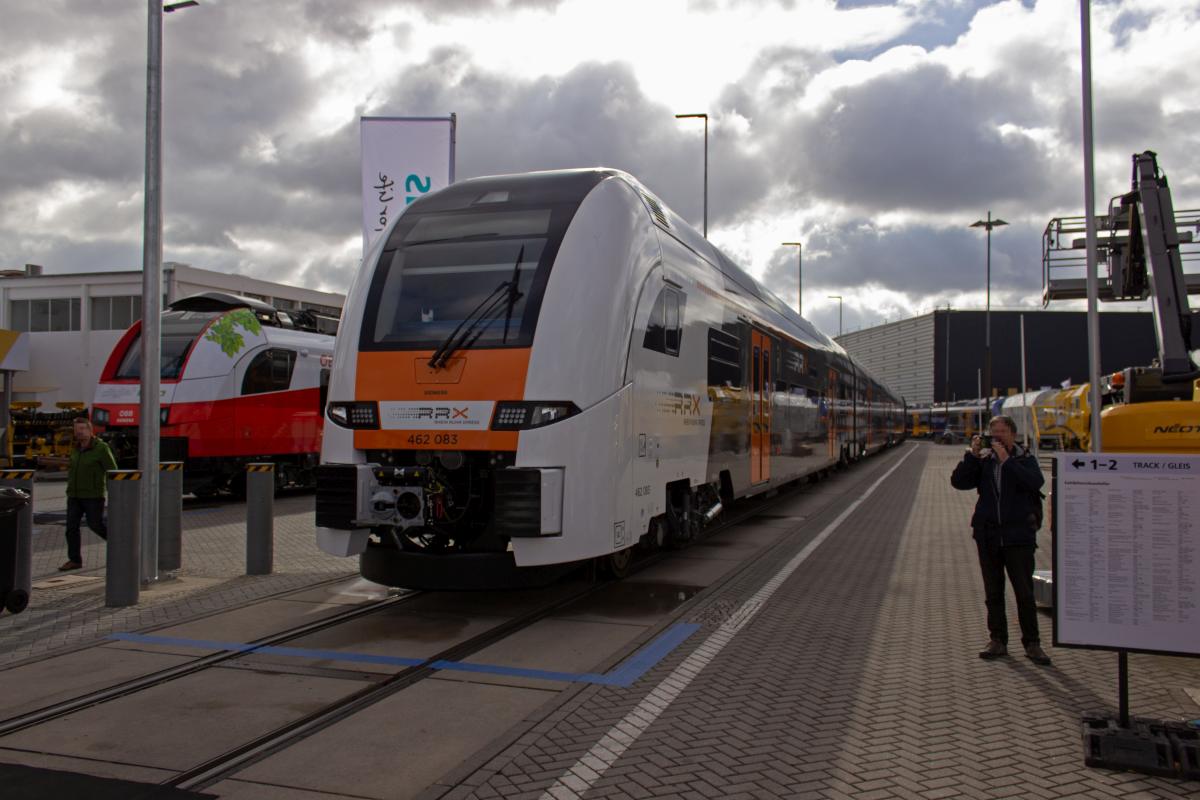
x: 433, y: 438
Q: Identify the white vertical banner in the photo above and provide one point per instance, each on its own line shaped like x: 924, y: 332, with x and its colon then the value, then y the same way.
x: 403, y: 158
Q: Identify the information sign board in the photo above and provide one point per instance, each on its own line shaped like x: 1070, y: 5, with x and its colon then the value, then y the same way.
x: 1127, y: 552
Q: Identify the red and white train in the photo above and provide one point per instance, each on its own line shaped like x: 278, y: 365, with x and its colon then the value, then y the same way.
x: 240, y: 382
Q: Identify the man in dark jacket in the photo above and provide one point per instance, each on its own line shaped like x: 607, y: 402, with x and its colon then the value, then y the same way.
x: 87, y: 473
x: 1008, y: 480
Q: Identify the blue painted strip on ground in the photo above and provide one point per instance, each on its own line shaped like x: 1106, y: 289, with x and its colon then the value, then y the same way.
x: 298, y: 652
x: 519, y: 672
x: 624, y: 675
x: 643, y: 660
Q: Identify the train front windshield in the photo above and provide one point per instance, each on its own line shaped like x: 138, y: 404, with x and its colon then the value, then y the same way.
x: 476, y: 255
x: 178, y: 332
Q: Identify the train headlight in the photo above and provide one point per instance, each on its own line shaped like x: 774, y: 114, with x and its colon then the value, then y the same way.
x: 100, y: 416
x: 354, y: 415
x: 164, y: 414
x: 523, y: 415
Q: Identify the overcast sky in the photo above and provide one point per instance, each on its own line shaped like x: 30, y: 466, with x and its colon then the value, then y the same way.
x: 873, y: 132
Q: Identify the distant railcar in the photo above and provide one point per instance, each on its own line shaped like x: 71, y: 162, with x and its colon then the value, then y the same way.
x: 240, y: 382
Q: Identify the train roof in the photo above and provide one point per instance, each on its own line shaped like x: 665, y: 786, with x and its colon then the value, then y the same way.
x: 572, y: 185
x: 221, y: 302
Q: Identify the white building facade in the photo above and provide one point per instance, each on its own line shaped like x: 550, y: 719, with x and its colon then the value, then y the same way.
x: 74, y: 320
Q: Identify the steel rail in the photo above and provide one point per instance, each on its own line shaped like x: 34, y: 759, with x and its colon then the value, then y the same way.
x: 29, y: 719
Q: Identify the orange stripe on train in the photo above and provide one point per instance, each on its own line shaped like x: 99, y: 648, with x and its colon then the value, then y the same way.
x: 405, y: 376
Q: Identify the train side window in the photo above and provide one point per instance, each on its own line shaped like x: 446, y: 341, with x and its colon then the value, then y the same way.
x: 269, y: 371
x: 724, y: 359
x: 671, y: 323
x: 664, y: 329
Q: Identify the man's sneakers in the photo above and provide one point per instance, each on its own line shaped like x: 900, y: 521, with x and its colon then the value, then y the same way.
x: 994, y: 649
x: 1035, y: 653
x: 70, y: 565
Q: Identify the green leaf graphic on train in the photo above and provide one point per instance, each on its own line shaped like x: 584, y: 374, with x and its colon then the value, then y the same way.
x: 224, y: 332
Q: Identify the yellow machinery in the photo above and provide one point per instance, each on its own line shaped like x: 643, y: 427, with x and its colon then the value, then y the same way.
x: 33, y: 433
x: 1143, y: 243
x: 1154, y: 426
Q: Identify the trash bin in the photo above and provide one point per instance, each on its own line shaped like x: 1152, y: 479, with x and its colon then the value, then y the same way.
x: 15, y: 550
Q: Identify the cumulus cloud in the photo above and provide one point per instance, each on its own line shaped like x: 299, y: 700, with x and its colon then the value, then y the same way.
x: 875, y: 147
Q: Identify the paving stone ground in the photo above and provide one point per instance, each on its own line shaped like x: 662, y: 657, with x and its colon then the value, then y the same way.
x: 211, y: 579
x: 859, y: 679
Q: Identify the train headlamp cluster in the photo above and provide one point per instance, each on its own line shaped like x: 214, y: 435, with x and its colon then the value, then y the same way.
x: 354, y: 415
x: 523, y: 415
x: 100, y: 416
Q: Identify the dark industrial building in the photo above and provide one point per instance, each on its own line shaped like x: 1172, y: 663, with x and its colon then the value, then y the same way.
x: 939, y: 356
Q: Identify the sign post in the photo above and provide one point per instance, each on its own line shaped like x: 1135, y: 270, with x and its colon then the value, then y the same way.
x: 1126, y: 533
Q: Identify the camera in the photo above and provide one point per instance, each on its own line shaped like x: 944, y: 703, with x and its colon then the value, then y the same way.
x: 985, y: 441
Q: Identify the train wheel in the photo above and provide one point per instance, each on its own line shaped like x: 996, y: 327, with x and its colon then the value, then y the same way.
x: 237, y: 486
x: 616, y: 565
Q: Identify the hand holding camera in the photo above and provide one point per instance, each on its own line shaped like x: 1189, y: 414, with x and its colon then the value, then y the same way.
x: 981, y: 445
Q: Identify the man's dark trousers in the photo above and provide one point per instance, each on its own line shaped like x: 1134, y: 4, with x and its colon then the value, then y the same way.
x: 1017, y: 560
x: 77, y: 509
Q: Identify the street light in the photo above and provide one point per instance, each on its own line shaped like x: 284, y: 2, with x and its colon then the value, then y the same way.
x: 987, y: 316
x: 838, y: 297
x: 799, y: 275
x: 705, y: 118
x: 148, y: 421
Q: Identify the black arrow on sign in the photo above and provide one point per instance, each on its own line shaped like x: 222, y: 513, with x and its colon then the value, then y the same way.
x: 1077, y: 463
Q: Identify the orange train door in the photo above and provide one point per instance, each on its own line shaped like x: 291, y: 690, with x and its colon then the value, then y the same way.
x: 760, y: 408
x: 870, y: 416
x: 831, y: 400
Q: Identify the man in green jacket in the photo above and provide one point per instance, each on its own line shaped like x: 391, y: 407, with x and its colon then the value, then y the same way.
x: 87, y: 474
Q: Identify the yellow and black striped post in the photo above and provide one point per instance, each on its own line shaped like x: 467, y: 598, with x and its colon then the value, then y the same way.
x: 260, y: 518
x: 170, y: 516
x: 16, y: 573
x: 122, y: 573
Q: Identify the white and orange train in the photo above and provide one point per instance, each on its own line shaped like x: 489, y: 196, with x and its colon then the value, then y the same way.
x: 537, y: 370
x: 240, y: 382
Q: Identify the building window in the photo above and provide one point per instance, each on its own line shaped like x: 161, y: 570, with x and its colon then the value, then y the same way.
x: 115, y: 313
x: 284, y: 304
x: 332, y: 311
x: 42, y: 316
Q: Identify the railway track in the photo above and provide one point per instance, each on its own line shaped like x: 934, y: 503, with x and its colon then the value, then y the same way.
x: 243, y: 755
x: 221, y: 767
x: 54, y: 711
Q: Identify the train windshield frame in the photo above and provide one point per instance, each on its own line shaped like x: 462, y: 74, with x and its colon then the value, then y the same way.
x: 179, y: 331
x: 454, y: 259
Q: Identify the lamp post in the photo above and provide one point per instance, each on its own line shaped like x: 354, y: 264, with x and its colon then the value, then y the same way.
x: 148, y: 420
x: 799, y: 275
x: 705, y: 118
x: 987, y: 316
x: 838, y: 297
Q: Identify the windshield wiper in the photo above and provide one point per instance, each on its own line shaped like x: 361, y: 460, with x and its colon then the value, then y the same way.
x: 488, y: 310
x: 513, y: 294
